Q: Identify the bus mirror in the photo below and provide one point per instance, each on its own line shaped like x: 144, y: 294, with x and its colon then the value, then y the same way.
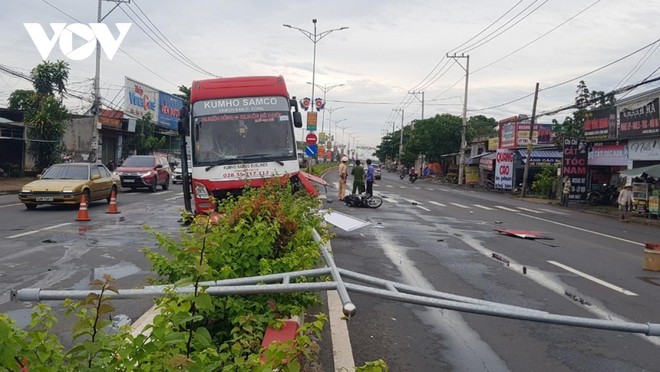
x: 297, y: 120
x: 294, y: 103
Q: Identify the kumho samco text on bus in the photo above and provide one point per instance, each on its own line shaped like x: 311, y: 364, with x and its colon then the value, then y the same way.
x: 241, y: 134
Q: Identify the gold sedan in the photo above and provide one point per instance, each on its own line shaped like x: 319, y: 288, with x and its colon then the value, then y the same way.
x: 66, y: 183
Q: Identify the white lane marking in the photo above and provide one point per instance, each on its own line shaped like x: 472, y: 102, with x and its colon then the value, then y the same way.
x: 426, y: 209
x: 483, y: 207
x: 390, y: 186
x: 438, y: 204
x: 551, y: 211
x: 10, y: 205
x: 412, y: 201
x: 417, y: 188
x: 174, y: 197
x: 402, y: 187
x: 460, y: 205
x: 430, y: 189
x: 162, y: 192
x: 594, y: 279
x: 529, y: 210
x: 341, y: 341
x: 39, y: 230
x: 581, y: 229
x: 391, y: 200
x: 505, y: 208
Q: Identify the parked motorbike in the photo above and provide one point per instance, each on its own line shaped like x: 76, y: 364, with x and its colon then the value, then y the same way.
x: 363, y: 201
x: 412, y: 178
x: 607, y: 195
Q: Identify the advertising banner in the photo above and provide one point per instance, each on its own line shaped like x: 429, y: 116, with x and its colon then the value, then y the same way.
x: 643, y: 149
x: 504, y: 169
x: 612, y: 155
x: 507, y: 135
x: 574, y: 165
x: 600, y: 124
x: 639, y: 119
x: 140, y: 99
x: 169, y: 109
x: 472, y: 175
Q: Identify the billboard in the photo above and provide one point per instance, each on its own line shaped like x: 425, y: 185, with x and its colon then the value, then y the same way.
x: 514, y: 133
x: 140, y: 99
x: 574, y: 165
x: 600, y: 124
x: 504, y: 169
x: 169, y: 109
x: 639, y: 119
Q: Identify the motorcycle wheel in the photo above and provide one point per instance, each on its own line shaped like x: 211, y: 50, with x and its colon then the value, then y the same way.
x: 374, y: 201
x: 592, y: 199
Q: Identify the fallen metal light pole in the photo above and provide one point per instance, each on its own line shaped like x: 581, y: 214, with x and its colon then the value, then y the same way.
x: 281, y: 283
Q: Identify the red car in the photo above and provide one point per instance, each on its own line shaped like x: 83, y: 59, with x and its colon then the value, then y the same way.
x: 142, y: 171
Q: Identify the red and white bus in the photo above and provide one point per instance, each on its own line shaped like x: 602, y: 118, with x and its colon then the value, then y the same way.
x: 242, y: 133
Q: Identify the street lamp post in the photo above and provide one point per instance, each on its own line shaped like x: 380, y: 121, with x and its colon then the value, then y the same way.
x: 342, y: 138
x: 315, y: 38
x: 325, y: 89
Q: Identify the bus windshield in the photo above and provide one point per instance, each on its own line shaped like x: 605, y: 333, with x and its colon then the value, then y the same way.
x: 243, y: 136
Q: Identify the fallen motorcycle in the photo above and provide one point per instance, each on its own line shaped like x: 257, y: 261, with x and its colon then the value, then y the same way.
x: 363, y: 201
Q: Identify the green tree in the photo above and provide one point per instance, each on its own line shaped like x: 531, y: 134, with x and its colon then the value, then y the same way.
x: 45, y: 113
x: 480, y: 126
x: 145, y: 140
x: 585, y: 100
x: 184, y: 94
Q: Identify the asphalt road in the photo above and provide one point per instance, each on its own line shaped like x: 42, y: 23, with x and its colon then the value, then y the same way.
x: 443, y: 241
x: 46, y: 248
x: 442, y: 237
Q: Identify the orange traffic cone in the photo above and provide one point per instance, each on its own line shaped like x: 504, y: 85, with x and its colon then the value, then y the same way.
x: 112, y: 208
x: 82, y: 212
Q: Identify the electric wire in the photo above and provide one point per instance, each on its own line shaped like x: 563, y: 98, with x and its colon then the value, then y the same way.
x: 120, y: 49
x: 485, y: 41
x: 637, y: 66
x: 159, y: 44
x: 166, y: 40
x: 537, y: 39
x: 571, y: 79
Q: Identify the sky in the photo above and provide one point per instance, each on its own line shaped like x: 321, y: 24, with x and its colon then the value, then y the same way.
x: 390, y: 49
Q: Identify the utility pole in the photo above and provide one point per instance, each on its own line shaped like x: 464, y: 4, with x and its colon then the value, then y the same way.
x: 415, y: 95
x: 97, y: 143
x: 331, y: 110
x: 529, y: 142
x: 461, y: 166
x: 401, y: 141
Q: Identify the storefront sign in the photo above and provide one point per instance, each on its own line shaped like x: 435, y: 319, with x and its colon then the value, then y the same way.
x: 600, y: 124
x: 514, y: 132
x: 486, y: 163
x: 612, y: 155
x: 508, y: 132
x: 472, y: 175
x: 504, y: 169
x: 574, y: 165
x: 640, y: 119
x: 493, y: 143
x: 641, y: 149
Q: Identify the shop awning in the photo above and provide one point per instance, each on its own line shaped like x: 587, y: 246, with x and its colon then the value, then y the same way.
x: 475, y: 159
x: 548, y: 156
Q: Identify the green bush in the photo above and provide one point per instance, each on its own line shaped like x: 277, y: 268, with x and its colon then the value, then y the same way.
x: 266, y: 230
x: 544, y: 180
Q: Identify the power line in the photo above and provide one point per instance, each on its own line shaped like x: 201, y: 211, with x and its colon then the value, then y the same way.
x: 538, y: 38
x: 159, y: 34
x: 485, y: 41
x: 572, y: 79
x: 159, y: 44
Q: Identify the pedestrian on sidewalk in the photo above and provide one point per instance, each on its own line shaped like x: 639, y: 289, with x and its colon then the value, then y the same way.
x: 566, y: 191
x: 343, y: 177
x: 358, y: 178
x: 625, y: 201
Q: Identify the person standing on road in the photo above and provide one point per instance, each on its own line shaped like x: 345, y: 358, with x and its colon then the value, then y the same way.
x: 566, y: 191
x: 625, y: 201
x: 343, y: 177
x: 371, y: 171
x: 358, y: 177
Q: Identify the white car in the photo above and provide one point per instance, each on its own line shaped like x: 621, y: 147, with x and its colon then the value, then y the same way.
x: 177, y: 177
